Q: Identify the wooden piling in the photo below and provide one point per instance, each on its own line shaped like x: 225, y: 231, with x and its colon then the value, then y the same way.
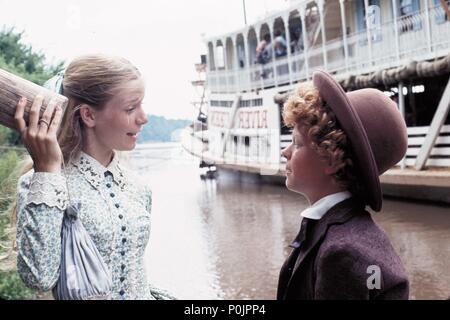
x: 12, y: 88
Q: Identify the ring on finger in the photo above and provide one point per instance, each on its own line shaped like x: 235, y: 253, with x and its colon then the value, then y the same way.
x: 43, y: 121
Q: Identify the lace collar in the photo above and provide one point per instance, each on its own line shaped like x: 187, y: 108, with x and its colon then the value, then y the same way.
x: 95, y: 172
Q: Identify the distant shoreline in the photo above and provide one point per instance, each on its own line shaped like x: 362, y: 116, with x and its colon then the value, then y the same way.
x: 156, y: 144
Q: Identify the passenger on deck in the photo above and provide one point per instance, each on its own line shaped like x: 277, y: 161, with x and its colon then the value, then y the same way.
x: 297, y: 41
x: 280, y: 45
x: 264, y: 51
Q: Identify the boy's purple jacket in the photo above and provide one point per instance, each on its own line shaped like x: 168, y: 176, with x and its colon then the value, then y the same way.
x: 332, y: 262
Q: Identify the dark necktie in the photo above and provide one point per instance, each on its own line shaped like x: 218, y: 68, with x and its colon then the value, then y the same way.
x: 301, y: 236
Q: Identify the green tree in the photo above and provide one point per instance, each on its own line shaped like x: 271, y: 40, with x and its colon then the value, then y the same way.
x: 160, y: 129
x: 22, y: 60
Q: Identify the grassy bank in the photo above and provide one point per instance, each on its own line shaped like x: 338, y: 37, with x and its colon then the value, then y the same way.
x: 11, y: 286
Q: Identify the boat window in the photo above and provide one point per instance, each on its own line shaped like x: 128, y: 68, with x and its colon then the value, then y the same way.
x: 408, y: 9
x: 374, y: 16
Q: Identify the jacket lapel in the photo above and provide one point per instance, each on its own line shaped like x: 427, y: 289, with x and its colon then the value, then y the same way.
x: 338, y: 214
x: 285, y: 275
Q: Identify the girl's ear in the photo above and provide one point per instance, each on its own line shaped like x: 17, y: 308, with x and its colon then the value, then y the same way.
x: 87, y: 114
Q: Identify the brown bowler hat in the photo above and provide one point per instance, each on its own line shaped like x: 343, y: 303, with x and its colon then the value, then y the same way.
x: 374, y: 126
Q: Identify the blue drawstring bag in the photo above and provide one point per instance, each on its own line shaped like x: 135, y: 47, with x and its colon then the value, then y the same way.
x: 83, y: 274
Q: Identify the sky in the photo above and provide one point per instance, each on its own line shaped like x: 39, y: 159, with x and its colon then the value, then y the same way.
x: 163, y: 38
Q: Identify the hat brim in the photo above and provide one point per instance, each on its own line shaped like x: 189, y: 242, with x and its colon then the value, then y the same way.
x: 334, y: 95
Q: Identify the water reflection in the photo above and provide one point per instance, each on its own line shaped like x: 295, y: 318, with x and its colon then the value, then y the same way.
x: 420, y: 234
x: 227, y: 240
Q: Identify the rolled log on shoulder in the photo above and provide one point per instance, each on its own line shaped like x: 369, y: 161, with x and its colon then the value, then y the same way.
x: 13, y: 87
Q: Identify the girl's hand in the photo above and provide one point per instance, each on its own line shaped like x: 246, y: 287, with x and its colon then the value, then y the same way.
x: 40, y: 136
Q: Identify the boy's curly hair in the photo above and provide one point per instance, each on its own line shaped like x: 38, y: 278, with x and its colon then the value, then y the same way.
x: 318, y: 122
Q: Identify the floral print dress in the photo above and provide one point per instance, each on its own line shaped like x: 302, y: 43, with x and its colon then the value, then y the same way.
x: 115, y: 211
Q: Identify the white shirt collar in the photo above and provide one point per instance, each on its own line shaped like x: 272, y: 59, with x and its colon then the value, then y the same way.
x: 321, y: 206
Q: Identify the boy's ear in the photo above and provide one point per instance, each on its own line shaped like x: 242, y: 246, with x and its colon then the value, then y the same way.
x: 333, y: 168
x: 87, y: 115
